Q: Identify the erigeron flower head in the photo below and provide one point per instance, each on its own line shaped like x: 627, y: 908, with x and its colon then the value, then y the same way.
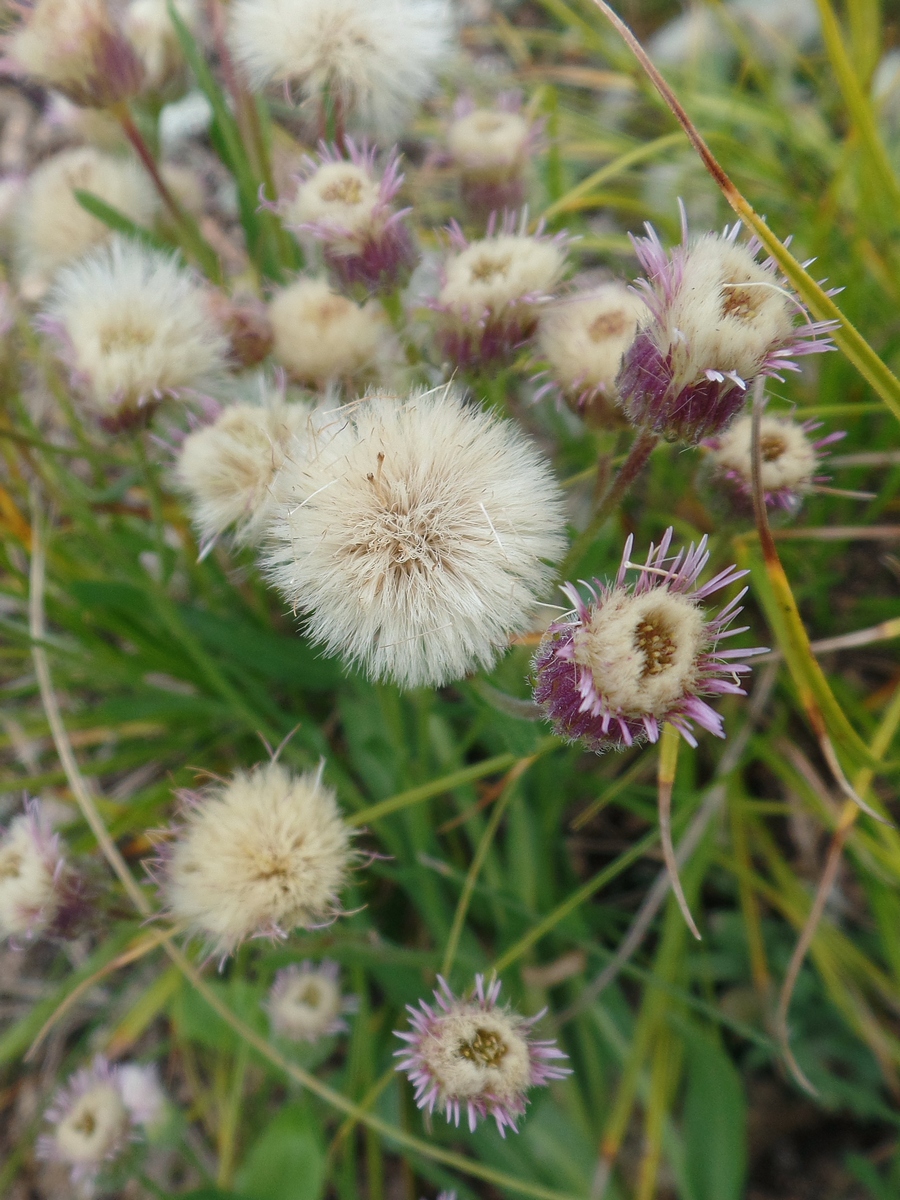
x: 257, y: 856
x: 414, y: 538
x: 491, y: 147
x: 150, y: 30
x: 228, y: 469
x: 342, y: 204
x: 789, y: 461
x: 134, y: 328
x: 305, y: 1002
x: 322, y: 337
x: 582, y: 338
x: 719, y: 319
x: 636, y: 655
x: 77, y: 47
x: 472, y: 1056
x: 376, y: 58
x: 493, y: 290
x: 36, y: 887
x: 50, y: 226
x: 92, y: 1125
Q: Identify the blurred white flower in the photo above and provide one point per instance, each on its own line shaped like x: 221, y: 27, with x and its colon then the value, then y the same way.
x: 305, y: 1002
x: 322, y: 336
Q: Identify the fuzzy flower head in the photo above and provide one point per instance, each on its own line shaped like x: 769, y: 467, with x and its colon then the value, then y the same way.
x: 92, y: 1124
x: 493, y: 290
x: 376, y: 58
x: 472, y: 1056
x: 343, y: 205
x: 142, y: 1094
x: 34, y: 881
x: 490, y: 148
x: 415, y: 537
x: 150, y: 30
x: 244, y: 320
x: 322, y: 337
x: 257, y: 856
x: 719, y: 319
x: 134, y: 329
x: 305, y: 1003
x: 77, y: 47
x: 639, y: 654
x: 228, y: 469
x: 582, y: 338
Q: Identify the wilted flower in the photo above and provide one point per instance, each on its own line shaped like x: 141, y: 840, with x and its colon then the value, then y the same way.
x: 92, y: 1123
x: 415, y: 537
x: 257, y: 856
x: 637, y: 655
x: 491, y: 147
x: 305, y: 1003
x: 471, y: 1056
x: 229, y: 468
x: 493, y: 290
x: 582, y: 337
x: 347, y: 209
x: 718, y: 320
x: 375, y: 58
x: 134, y: 329
x: 35, y: 885
x: 77, y: 47
x: 321, y: 336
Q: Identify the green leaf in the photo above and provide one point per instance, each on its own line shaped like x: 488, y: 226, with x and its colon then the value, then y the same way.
x: 715, y: 1121
x: 287, y: 1162
x: 117, y: 220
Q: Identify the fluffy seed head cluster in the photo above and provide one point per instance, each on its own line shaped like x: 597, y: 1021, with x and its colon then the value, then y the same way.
x: 636, y: 655
x: 415, y: 536
x: 51, y: 228
x: 257, y: 856
x: 376, y: 58
x: 347, y: 208
x: 493, y: 290
x: 152, y: 34
x: 321, y: 336
x: 583, y: 337
x: 789, y: 460
x: 719, y: 319
x: 77, y: 47
x: 228, y: 469
x: 134, y: 328
x: 32, y: 875
x: 92, y: 1124
x: 305, y: 1003
x: 473, y: 1056
x: 490, y: 148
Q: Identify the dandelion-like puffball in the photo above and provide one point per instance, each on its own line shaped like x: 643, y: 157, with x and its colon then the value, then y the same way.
x: 32, y: 875
x: 472, y: 1056
x: 92, y: 1123
x: 305, y: 1002
x: 493, y: 290
x: 77, y: 47
x: 582, y: 338
x: 376, y: 58
x: 789, y: 460
x: 150, y: 30
x: 415, y: 538
x: 257, y: 856
x: 51, y: 228
x: 718, y: 320
x: 321, y: 336
x: 228, y: 469
x: 490, y: 147
x: 134, y: 329
x: 637, y: 655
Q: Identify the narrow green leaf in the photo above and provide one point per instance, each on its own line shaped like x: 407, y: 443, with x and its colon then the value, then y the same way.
x: 715, y: 1121
x: 117, y: 220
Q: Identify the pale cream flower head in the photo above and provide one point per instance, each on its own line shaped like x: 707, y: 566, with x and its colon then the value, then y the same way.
x: 30, y: 871
x: 150, y: 30
x: 91, y: 1122
x: 496, y: 273
x: 378, y: 58
x: 415, y: 538
x: 305, y: 1003
x: 51, y: 228
x: 584, y: 336
x: 490, y: 140
x: 322, y: 336
x: 257, y: 856
x: 342, y: 196
x: 228, y: 469
x: 788, y: 458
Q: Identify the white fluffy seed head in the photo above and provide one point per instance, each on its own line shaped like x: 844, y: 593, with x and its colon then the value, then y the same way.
x: 51, y: 228
x: 378, y: 58
x: 29, y: 863
x: 228, y: 469
x: 322, y: 336
x: 471, y: 1052
x: 94, y: 1128
x: 150, y: 30
x: 490, y: 141
x: 337, y: 195
x: 414, y: 538
x: 643, y: 651
x: 495, y: 273
x: 583, y: 337
x: 787, y: 456
x: 135, y: 327
x: 259, y: 855
x: 305, y: 1003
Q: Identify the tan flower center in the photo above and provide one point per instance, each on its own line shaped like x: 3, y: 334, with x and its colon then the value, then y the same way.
x: 124, y: 335
x: 10, y: 865
x: 86, y: 1123
x: 486, y: 1048
x: 771, y: 447
x: 608, y: 325
x: 343, y: 191
x: 654, y: 638
x: 486, y: 269
x: 741, y: 301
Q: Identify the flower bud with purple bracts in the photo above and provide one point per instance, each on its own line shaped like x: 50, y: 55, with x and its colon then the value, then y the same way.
x: 92, y: 1123
x: 491, y: 148
x: 493, y: 290
x: 718, y: 319
x: 343, y: 205
x: 39, y: 893
x: 305, y: 1002
x: 473, y: 1057
x: 636, y: 655
x: 789, y: 461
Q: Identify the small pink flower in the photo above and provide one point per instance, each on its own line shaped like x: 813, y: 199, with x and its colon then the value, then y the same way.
x: 39, y: 893
x: 305, y: 1002
x: 92, y: 1122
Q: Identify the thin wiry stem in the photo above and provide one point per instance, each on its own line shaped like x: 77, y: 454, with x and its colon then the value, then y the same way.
x: 668, y: 763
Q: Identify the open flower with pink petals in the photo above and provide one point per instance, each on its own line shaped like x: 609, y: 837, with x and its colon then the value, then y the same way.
x: 472, y: 1056
x: 636, y: 655
x: 92, y: 1125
